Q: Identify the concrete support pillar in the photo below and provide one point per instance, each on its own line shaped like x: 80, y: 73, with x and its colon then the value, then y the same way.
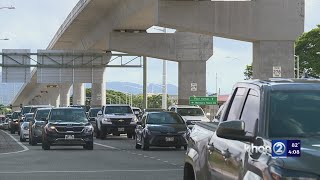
x: 191, y: 72
x: 64, y: 90
x: 78, y: 97
x: 37, y: 100
x: 268, y: 55
x: 98, y: 94
x: 45, y: 98
x: 53, y: 96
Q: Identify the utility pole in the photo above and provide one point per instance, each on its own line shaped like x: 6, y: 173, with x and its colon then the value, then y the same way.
x: 145, y: 98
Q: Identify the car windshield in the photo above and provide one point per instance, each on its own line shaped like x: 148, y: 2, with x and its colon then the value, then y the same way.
x: 164, y: 118
x: 190, y: 112
x: 25, y: 110
x: 15, y: 115
x: 94, y: 112
x: 25, y: 124
x: 28, y: 115
x: 67, y: 115
x: 42, y: 114
x: 294, y: 114
x: 118, y: 110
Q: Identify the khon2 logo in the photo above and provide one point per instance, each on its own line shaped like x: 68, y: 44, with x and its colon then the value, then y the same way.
x: 286, y: 148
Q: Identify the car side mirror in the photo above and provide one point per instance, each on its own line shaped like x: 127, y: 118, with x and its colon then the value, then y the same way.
x: 99, y: 113
x: 233, y: 130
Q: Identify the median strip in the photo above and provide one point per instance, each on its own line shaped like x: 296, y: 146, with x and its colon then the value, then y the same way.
x: 25, y: 148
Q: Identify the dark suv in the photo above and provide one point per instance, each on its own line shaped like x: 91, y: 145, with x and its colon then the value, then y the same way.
x: 69, y: 127
x: 36, y: 125
x: 262, y: 119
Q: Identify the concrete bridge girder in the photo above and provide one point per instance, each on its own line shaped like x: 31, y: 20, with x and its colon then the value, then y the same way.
x: 241, y: 20
x: 272, y: 26
x: 179, y: 46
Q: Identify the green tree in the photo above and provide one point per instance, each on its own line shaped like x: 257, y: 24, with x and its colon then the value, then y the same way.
x: 307, y: 47
x: 248, y: 72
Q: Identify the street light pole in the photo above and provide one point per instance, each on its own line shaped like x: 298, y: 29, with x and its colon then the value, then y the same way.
x: 164, y: 83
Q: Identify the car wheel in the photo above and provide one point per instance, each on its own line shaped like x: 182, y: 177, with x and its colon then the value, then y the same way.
x: 12, y: 131
x: 185, y: 147
x: 32, y: 141
x: 45, y: 144
x: 88, y: 146
x: 138, y: 146
x: 103, y: 135
x: 18, y: 132
x: 145, y: 145
x: 98, y: 134
x: 129, y: 135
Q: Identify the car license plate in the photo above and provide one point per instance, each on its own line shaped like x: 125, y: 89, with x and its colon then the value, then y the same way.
x: 121, y: 129
x: 69, y: 136
x: 169, y: 139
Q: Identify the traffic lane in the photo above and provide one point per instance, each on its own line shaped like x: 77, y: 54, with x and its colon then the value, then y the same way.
x: 167, y: 155
x: 85, y: 175
x: 76, y: 163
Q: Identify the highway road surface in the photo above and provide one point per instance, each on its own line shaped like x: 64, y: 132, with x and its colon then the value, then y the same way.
x: 114, y: 158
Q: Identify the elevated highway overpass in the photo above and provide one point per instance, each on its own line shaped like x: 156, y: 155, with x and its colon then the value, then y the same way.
x: 121, y: 25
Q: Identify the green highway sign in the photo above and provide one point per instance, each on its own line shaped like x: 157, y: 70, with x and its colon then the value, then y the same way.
x: 197, y: 100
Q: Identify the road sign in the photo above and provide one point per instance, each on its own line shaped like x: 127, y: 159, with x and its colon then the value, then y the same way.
x: 211, y: 100
x: 194, y: 87
x: 276, y: 71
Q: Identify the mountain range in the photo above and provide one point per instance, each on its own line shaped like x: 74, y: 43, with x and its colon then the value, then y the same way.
x: 134, y: 88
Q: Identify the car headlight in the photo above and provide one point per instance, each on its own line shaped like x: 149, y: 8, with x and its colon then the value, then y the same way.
x: 88, y: 129
x: 278, y: 173
x: 135, y: 119
x: 51, y: 128
x: 107, y: 120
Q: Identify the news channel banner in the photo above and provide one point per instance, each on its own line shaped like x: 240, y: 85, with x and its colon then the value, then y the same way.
x: 286, y: 148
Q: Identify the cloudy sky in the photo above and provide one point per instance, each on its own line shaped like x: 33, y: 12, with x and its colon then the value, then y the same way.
x: 33, y: 24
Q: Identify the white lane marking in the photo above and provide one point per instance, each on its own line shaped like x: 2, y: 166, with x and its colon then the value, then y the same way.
x: 110, y: 147
x: 129, y: 152
x: 25, y: 148
x: 98, y: 171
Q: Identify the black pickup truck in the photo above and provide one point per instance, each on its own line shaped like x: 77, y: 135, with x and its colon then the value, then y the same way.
x: 256, y: 113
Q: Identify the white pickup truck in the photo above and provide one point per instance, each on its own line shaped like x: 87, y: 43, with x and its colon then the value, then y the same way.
x: 116, y: 119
